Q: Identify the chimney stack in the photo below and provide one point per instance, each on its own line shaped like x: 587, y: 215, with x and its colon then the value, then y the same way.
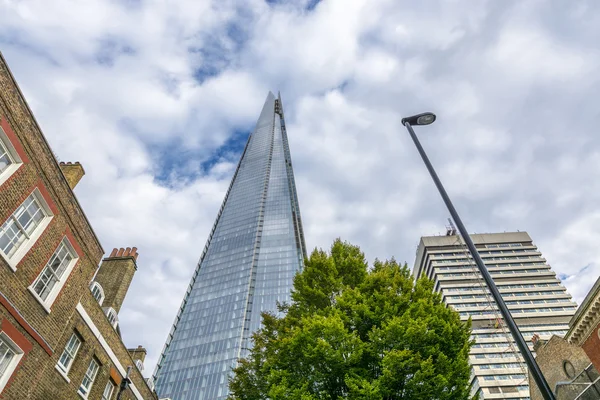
x: 115, y: 276
x: 537, y: 342
x: 138, y: 354
x: 73, y: 172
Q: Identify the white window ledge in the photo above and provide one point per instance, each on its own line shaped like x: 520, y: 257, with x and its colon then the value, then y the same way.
x: 39, y: 299
x: 62, y: 373
x: 83, y: 396
x: 7, y: 173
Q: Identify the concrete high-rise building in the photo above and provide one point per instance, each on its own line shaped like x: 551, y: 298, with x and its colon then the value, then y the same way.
x: 252, y: 254
x: 538, y: 302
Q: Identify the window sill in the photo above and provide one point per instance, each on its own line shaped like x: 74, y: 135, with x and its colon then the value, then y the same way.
x: 8, y: 172
x: 62, y: 373
x: 83, y: 396
x: 39, y: 300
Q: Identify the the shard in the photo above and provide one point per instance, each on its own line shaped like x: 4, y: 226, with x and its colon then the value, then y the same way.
x: 255, y: 248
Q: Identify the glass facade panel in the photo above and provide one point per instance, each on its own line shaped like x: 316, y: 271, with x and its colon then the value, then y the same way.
x: 249, y: 262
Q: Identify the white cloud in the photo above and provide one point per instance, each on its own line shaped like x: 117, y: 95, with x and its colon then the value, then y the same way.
x: 143, y: 93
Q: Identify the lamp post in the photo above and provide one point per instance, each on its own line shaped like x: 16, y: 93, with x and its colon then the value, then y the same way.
x: 429, y: 118
x: 124, y: 383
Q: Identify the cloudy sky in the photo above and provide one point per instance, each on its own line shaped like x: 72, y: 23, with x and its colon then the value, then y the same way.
x: 156, y: 99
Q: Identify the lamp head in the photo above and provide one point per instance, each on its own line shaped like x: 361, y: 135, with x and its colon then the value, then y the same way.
x: 419, y: 119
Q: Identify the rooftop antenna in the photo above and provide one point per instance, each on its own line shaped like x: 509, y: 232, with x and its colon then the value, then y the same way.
x: 450, y: 228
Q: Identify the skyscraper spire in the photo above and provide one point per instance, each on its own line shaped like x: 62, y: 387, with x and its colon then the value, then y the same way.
x: 254, y: 249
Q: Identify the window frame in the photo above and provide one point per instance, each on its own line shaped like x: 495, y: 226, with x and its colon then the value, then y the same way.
x: 108, y: 311
x: 64, y: 370
x: 30, y: 238
x: 91, y: 379
x: 53, y: 294
x: 112, y: 390
x: 100, y: 290
x: 140, y: 365
x: 14, y: 362
x: 13, y: 155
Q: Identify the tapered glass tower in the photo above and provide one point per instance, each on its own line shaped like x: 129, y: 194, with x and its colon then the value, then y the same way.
x: 254, y: 250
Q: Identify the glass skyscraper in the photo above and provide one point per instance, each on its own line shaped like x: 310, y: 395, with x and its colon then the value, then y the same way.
x: 254, y: 250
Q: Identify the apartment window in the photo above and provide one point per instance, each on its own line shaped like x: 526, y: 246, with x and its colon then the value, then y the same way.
x: 140, y: 365
x: 111, y: 314
x: 10, y: 354
x: 108, y: 390
x: 9, y: 158
x: 68, y: 355
x: 6, y: 160
x: 23, y: 227
x: 52, y: 278
x: 88, y: 378
x: 97, y: 292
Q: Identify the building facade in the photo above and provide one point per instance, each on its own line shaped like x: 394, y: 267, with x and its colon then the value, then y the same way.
x: 59, y: 332
x: 585, y: 326
x: 537, y: 299
x: 571, y: 364
x: 252, y: 254
x: 567, y: 369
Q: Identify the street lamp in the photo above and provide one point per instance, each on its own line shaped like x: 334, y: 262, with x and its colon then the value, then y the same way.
x: 429, y: 118
x: 124, y: 383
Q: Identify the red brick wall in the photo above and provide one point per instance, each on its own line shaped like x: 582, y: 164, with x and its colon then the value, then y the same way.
x: 592, y: 348
x: 20, y: 313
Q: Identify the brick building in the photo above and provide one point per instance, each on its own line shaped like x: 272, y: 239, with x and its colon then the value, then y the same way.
x: 585, y: 326
x: 59, y: 329
x: 571, y: 365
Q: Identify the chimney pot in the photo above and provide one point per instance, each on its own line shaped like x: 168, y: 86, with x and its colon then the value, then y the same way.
x: 113, y: 253
x: 134, y: 253
x: 120, y: 252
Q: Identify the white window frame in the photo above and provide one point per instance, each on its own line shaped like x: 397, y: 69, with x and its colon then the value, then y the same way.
x: 64, y: 369
x: 140, y: 365
x: 30, y: 238
x: 84, y: 391
x: 12, y: 365
x: 111, y: 386
x: 47, y: 303
x: 12, y: 154
x: 111, y: 311
x: 100, y: 290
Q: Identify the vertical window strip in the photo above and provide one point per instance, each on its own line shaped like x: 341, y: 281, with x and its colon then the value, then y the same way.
x: 89, y: 377
x: 112, y: 316
x: 20, y: 225
x: 54, y: 271
x: 5, y: 158
x: 97, y: 292
x: 108, y: 391
x: 6, y: 356
x: 66, y: 359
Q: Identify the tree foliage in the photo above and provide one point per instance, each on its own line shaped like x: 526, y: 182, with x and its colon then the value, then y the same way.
x: 357, y: 333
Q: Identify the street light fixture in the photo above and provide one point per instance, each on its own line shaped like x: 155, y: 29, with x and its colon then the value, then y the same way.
x: 429, y: 118
x: 420, y: 119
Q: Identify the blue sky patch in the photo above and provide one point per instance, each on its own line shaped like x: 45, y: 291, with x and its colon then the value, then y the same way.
x: 177, y: 165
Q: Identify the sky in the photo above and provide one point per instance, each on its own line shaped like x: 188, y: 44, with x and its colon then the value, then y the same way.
x: 156, y: 99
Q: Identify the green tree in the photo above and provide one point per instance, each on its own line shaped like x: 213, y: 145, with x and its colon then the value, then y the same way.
x: 355, y: 333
